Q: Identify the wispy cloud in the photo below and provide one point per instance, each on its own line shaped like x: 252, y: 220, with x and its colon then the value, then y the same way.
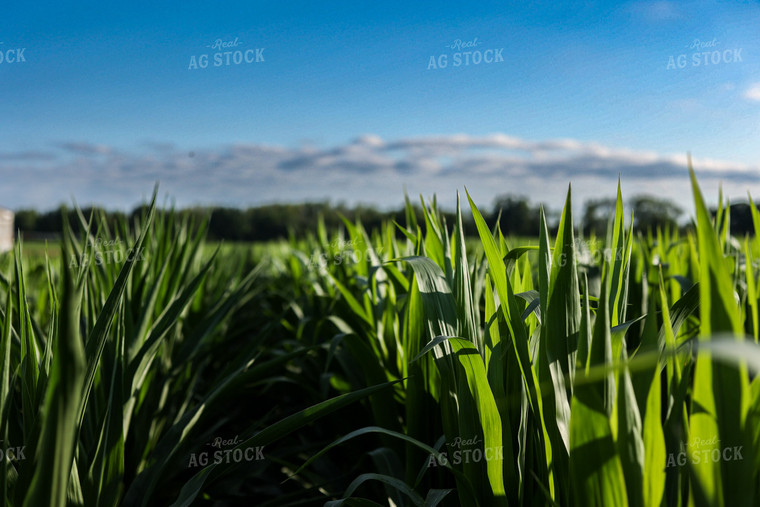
x: 657, y: 11
x: 82, y: 148
x: 27, y: 156
x: 368, y: 169
x: 753, y: 93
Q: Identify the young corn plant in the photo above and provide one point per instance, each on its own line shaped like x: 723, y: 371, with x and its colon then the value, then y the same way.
x: 133, y: 354
x: 640, y: 389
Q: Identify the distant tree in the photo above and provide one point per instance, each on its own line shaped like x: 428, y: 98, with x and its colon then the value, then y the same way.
x: 278, y: 221
x: 650, y: 212
x: 50, y: 221
x: 270, y: 222
x: 596, y: 214
x: 138, y: 212
x: 741, y: 219
x: 228, y: 223
x: 26, y: 220
x: 518, y: 217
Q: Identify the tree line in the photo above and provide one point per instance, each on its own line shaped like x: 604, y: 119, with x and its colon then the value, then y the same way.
x: 515, y: 214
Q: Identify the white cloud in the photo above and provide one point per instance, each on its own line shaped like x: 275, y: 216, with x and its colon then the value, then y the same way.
x: 753, y: 93
x: 368, y: 169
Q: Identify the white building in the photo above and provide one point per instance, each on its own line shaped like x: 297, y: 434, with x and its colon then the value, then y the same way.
x: 6, y: 230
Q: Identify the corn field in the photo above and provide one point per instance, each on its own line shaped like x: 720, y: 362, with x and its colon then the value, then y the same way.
x: 406, y: 366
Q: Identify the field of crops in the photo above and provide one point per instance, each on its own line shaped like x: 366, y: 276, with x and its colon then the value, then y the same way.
x: 401, y: 366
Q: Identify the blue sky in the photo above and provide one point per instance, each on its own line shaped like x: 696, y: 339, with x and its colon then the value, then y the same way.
x: 345, y: 105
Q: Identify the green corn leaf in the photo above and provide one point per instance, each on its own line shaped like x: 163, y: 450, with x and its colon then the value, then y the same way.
x: 596, y: 474
x: 270, y: 434
x: 55, y: 452
x: 519, y: 338
x: 630, y: 445
x: 721, y: 392
x: 5, y: 388
x: 431, y: 452
x: 654, y: 447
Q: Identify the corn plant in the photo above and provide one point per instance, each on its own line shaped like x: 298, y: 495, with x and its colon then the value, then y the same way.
x: 406, y: 365
x: 615, y: 372
x: 122, y: 361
